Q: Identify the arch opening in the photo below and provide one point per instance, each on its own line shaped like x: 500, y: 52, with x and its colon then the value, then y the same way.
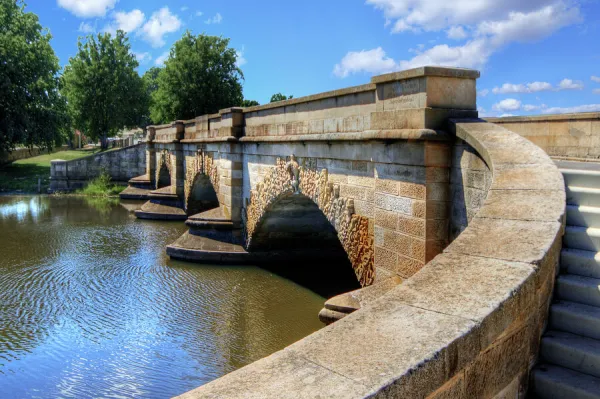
x: 164, y: 176
x: 303, y: 246
x: 202, y: 196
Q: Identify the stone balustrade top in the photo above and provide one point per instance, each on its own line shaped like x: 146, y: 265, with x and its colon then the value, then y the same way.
x: 428, y: 336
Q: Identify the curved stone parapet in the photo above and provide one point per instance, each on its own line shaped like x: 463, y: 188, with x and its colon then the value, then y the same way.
x: 467, y: 325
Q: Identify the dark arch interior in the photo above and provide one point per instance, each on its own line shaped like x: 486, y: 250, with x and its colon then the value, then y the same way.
x: 202, y: 196
x: 164, y: 176
x: 302, y: 245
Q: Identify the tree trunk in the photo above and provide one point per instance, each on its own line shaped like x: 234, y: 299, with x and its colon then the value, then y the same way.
x: 103, y: 142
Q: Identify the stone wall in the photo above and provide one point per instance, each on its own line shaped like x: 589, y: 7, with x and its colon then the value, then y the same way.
x: 563, y: 136
x: 469, y: 323
x: 122, y: 165
x: 470, y: 180
x: 24, y: 153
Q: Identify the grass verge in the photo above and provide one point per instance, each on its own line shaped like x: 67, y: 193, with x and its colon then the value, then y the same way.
x: 22, y: 175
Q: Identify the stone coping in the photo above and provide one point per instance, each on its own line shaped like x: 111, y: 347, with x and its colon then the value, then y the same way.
x: 449, y: 72
x: 110, y: 150
x: 417, y: 336
x: 546, y: 118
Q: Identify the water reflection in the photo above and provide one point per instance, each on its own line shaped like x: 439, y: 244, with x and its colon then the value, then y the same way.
x: 90, y: 306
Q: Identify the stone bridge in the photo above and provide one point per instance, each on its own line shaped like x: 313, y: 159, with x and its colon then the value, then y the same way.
x: 439, y: 233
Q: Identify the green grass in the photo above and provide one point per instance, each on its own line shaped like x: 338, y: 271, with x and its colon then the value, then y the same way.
x: 22, y: 176
x: 101, y: 186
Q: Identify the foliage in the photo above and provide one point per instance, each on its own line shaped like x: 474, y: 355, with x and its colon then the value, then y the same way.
x: 280, y: 97
x: 104, y: 92
x: 32, y: 112
x: 22, y: 175
x: 199, y: 77
x: 250, y: 103
x: 150, y: 81
x: 101, y: 186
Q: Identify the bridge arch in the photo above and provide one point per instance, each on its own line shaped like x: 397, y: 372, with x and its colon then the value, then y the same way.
x: 164, y: 169
x: 201, y: 187
x: 304, y: 191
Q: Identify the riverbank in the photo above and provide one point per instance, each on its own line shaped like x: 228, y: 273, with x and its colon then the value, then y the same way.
x: 21, y: 177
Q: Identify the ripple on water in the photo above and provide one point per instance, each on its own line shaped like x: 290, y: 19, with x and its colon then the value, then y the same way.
x: 90, y: 306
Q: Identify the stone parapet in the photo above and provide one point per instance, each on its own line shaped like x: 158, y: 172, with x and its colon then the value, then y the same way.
x: 468, y: 323
x: 564, y: 136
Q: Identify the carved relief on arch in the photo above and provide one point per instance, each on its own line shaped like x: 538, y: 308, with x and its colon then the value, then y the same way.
x: 200, y: 163
x: 287, y: 178
x: 163, y: 158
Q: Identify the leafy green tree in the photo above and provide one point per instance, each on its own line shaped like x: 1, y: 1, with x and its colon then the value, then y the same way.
x: 32, y: 112
x: 104, y: 91
x: 199, y: 77
x: 250, y: 103
x: 280, y: 97
x: 150, y: 81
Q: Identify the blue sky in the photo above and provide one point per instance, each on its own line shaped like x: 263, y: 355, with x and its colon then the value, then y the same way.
x: 535, y: 56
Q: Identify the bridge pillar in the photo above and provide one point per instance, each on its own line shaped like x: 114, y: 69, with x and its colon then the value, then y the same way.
x: 178, y: 172
x: 151, y: 155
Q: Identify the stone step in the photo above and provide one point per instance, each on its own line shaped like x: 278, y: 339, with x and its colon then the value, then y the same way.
x: 578, y: 289
x: 158, y: 211
x: 211, y: 219
x: 134, y: 193
x: 571, y: 351
x: 576, y: 318
x: 554, y: 382
x: 163, y: 194
x: 583, y: 196
x: 142, y: 181
x: 580, y: 262
x: 586, y: 216
x: 586, y: 238
x: 581, y: 178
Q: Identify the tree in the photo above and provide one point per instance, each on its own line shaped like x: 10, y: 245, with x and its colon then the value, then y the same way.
x: 150, y: 81
x: 199, y: 77
x: 32, y: 112
x: 104, y: 92
x: 280, y: 97
x: 250, y: 103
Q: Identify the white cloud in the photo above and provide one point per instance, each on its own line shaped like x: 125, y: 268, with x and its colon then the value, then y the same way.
x: 532, y: 87
x: 596, y: 91
x: 87, y: 8
x: 595, y: 79
x: 199, y: 13
x: 84, y: 27
x: 509, y: 104
x: 184, y: 8
x: 568, y: 84
x: 530, y: 107
x: 160, y: 60
x: 456, y: 33
x: 372, y: 61
x: 505, y: 115
x: 483, y: 92
x: 214, y: 20
x: 161, y: 23
x: 494, y: 25
x: 129, y: 21
x: 575, y: 109
x: 143, y: 58
x: 241, y: 60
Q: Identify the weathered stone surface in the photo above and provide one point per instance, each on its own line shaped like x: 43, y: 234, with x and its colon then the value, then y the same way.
x: 282, y: 375
x: 392, y: 337
x: 528, y: 177
x: 542, y: 205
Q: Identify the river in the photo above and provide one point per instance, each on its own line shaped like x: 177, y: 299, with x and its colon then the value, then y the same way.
x: 90, y: 306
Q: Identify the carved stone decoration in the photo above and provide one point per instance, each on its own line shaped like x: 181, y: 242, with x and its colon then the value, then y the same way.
x: 201, y: 163
x: 287, y: 178
x: 163, y: 158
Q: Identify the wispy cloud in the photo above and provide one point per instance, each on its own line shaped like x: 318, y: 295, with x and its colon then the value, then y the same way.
x: 217, y: 19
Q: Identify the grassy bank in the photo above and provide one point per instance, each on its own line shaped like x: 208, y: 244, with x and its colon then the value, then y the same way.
x: 101, y: 187
x: 22, y: 175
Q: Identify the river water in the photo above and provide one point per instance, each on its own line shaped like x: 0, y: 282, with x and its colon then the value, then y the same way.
x: 90, y: 306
